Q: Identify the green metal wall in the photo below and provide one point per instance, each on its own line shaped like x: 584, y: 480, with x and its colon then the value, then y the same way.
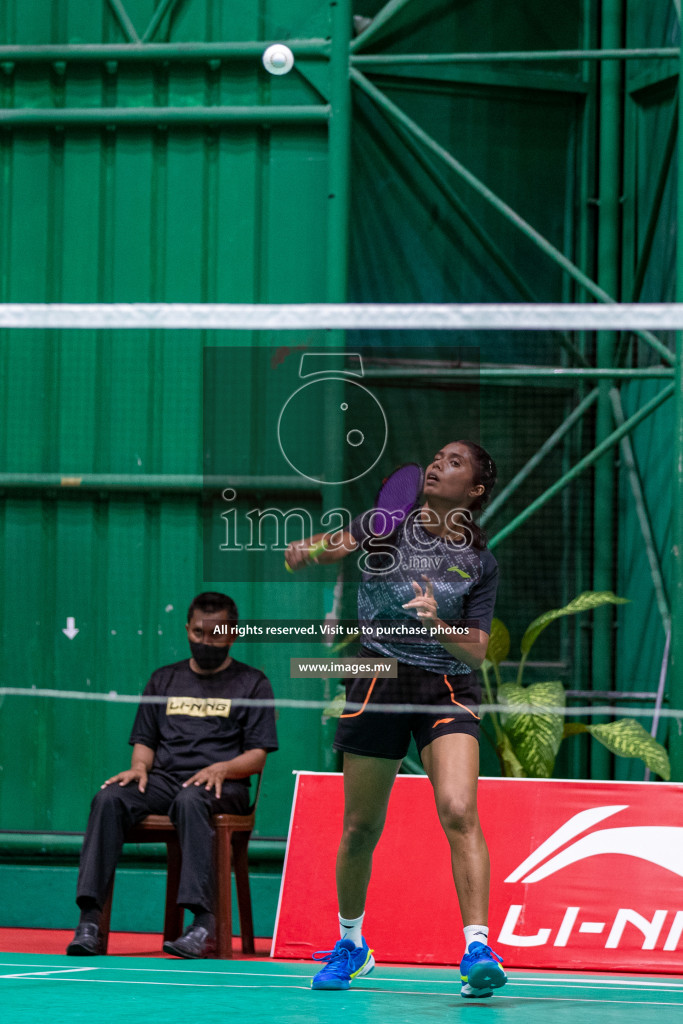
x: 224, y: 211
x: 201, y: 207
x: 649, y: 275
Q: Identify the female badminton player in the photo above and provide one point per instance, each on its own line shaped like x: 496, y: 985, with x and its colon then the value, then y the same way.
x: 459, y: 586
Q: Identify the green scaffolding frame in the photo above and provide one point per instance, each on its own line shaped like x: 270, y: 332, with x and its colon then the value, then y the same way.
x: 349, y: 68
x: 611, y: 427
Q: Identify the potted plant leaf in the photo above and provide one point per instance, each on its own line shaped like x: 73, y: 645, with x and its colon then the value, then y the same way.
x: 530, y: 725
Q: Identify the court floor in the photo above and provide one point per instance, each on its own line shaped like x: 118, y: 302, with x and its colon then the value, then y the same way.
x: 60, y: 989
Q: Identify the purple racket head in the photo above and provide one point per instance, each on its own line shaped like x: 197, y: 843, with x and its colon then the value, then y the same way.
x: 395, y: 498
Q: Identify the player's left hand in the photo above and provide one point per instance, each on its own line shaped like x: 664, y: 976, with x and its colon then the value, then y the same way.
x: 424, y: 602
x: 211, y: 777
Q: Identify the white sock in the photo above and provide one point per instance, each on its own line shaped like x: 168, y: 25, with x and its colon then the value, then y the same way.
x: 476, y: 933
x: 351, y: 928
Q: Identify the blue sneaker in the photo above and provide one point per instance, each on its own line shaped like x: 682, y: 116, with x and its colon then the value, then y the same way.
x: 480, y: 972
x: 343, y: 963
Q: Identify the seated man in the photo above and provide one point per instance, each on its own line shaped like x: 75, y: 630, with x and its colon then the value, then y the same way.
x: 193, y: 753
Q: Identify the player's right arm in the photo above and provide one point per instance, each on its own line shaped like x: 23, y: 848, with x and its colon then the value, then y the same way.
x: 140, y: 766
x: 337, y: 546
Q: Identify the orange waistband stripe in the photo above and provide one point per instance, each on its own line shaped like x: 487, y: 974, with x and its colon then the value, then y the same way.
x: 454, y: 701
x: 354, y: 714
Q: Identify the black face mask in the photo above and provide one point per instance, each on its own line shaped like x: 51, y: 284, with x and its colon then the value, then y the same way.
x: 208, y: 656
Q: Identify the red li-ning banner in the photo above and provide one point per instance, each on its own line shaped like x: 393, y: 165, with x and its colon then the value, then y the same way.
x: 584, y: 875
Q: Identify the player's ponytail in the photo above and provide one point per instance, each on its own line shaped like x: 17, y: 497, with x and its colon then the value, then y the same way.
x: 485, y: 472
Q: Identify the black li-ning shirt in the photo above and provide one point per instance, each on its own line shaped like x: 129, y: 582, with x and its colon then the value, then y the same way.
x: 198, y: 723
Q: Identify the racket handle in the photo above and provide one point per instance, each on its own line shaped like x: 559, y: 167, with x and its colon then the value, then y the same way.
x: 313, y: 552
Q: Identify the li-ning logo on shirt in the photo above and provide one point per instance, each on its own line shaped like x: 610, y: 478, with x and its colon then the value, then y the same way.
x: 198, y: 707
x: 460, y: 572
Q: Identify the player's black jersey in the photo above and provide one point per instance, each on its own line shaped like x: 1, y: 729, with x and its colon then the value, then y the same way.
x: 464, y: 578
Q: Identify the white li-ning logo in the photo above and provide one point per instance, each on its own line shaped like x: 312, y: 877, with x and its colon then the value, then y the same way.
x: 659, y: 844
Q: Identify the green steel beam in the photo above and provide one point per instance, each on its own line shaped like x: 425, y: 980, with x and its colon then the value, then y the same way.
x: 378, y: 22
x: 486, y: 76
x: 137, y: 116
x: 121, y: 15
x: 480, y: 233
x: 156, y: 482
x: 339, y: 172
x: 610, y: 136
x: 522, y: 56
x: 578, y: 569
x: 651, y: 229
x: 385, y: 104
x: 584, y: 463
x: 139, y: 51
x: 69, y: 844
x: 676, y: 665
x: 544, y: 373
x: 643, y: 514
x: 538, y: 457
x: 462, y: 210
x: 156, y: 51
x: 15, y: 845
x: 163, y: 8
x: 646, y: 250
x: 653, y: 79
x: 339, y: 150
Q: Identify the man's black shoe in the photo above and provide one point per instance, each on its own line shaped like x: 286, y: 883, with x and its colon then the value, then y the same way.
x: 194, y: 944
x: 86, y: 942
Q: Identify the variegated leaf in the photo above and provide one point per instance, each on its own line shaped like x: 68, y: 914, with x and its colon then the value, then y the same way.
x: 508, y: 759
x: 627, y: 738
x: 584, y: 602
x: 534, y: 724
x: 335, y: 708
x: 498, y: 646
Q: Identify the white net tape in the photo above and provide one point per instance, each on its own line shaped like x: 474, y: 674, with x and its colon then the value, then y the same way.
x: 113, y: 697
x: 345, y: 316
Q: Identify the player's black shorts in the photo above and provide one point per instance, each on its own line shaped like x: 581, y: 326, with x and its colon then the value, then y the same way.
x: 365, y: 728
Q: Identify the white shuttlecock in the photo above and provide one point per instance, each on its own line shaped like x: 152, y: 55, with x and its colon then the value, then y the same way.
x: 278, y: 59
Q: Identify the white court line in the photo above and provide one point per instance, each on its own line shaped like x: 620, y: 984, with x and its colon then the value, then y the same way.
x: 519, y: 978
x: 597, y: 982
x: 593, y: 983
x: 545, y: 980
x: 168, y: 984
x: 56, y: 970
x: 183, y: 970
x: 576, y: 999
x: 392, y: 992
x: 627, y: 978
x: 260, y: 988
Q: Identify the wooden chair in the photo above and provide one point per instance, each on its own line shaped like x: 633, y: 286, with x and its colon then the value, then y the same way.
x: 230, y: 853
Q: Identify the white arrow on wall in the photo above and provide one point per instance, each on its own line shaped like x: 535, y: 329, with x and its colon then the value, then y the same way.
x: 70, y: 630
